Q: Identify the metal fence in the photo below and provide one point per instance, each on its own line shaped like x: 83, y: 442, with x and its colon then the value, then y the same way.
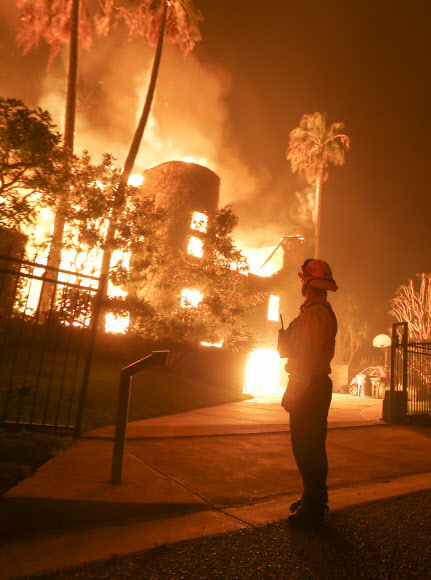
x: 48, y: 323
x: 410, y: 394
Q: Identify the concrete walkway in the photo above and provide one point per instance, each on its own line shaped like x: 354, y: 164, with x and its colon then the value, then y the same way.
x: 204, y: 472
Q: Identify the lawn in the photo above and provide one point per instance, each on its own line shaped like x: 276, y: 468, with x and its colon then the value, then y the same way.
x: 155, y: 392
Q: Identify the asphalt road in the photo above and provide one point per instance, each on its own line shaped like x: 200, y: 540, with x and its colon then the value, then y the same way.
x: 386, y: 539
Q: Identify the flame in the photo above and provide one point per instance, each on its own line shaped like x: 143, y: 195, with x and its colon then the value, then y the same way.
x: 195, y: 247
x: 199, y: 221
x: 273, y: 307
x: 135, y: 180
x: 85, y: 262
x: 190, y: 298
x: 202, y: 161
x: 216, y: 344
x: 263, y: 373
x: 256, y: 258
x: 116, y: 324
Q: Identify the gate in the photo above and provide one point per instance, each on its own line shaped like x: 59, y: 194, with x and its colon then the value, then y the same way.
x: 46, y: 345
x: 410, y: 394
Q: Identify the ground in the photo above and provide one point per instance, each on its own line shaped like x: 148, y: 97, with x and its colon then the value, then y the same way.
x: 386, y: 539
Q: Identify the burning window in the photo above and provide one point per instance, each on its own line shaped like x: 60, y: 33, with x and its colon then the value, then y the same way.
x: 195, y: 247
x: 190, y: 298
x: 273, y: 306
x: 199, y: 221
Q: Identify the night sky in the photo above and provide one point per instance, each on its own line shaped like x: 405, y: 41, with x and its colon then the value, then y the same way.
x: 260, y: 67
x: 367, y: 64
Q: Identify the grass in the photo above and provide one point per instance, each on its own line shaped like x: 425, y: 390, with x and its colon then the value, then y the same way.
x: 21, y: 453
x: 154, y: 392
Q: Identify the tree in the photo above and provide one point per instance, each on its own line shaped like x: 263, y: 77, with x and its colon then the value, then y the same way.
x: 353, y: 330
x: 312, y: 148
x: 175, y: 21
x: 64, y: 21
x: 58, y: 23
x: 159, y: 273
x: 30, y: 159
x: 413, y: 305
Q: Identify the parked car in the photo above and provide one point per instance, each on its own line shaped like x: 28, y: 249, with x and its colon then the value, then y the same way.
x: 375, y: 381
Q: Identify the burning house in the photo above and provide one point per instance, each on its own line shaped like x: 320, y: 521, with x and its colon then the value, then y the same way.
x: 191, y: 192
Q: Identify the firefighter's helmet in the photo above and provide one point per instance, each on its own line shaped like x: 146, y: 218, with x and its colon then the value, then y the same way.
x: 318, y: 274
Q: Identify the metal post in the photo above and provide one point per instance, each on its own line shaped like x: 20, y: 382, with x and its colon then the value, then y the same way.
x: 159, y: 357
x: 93, y: 332
x: 120, y: 426
x: 394, y: 346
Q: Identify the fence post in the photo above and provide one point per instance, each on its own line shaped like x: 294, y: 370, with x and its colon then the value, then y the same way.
x: 155, y: 358
x: 86, y: 375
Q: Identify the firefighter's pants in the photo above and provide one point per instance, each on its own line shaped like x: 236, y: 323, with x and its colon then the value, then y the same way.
x: 308, y: 427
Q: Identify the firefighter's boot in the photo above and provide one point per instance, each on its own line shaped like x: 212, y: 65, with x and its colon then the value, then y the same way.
x: 307, y: 516
x: 295, y: 505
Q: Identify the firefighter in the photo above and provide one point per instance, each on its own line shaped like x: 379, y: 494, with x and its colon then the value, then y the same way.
x: 308, y: 343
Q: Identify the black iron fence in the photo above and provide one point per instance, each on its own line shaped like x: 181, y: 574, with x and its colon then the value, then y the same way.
x: 410, y: 394
x: 48, y: 323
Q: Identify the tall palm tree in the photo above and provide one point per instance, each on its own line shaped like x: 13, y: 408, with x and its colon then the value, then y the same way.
x: 312, y: 148
x: 66, y: 21
x: 157, y: 21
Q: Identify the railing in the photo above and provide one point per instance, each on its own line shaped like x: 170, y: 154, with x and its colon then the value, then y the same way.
x: 159, y: 357
x: 46, y: 346
x: 410, y: 394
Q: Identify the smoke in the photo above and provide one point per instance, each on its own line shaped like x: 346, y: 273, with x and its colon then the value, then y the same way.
x: 189, y: 117
x: 304, y: 210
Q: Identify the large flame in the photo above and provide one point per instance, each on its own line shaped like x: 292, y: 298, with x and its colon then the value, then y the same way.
x: 263, y: 373
x: 256, y: 259
x: 85, y: 262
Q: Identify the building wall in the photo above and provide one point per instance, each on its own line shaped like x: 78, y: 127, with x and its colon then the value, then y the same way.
x: 184, y: 188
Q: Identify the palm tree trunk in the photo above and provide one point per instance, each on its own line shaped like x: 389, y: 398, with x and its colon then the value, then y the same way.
x: 319, y: 182
x: 134, y: 147
x: 54, y: 256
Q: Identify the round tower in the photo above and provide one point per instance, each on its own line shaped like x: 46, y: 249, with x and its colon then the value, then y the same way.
x: 190, y: 192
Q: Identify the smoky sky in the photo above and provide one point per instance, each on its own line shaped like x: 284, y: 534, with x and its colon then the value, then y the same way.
x: 232, y: 103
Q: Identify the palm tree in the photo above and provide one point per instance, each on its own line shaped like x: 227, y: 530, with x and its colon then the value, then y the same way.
x: 312, y: 147
x: 59, y: 23
x: 157, y: 21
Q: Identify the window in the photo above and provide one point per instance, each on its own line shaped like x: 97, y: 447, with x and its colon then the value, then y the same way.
x: 195, y: 247
x: 199, y: 221
x: 273, y: 306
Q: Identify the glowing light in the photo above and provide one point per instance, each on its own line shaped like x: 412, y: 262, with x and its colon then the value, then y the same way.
x: 190, y: 298
x: 263, y: 373
x: 116, y: 324
x: 135, y: 180
x: 216, y: 344
x: 199, y: 221
x: 256, y: 258
x: 195, y: 247
x: 273, y: 306
x: 188, y: 160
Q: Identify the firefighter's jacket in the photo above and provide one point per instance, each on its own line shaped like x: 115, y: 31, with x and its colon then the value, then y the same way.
x: 309, y: 341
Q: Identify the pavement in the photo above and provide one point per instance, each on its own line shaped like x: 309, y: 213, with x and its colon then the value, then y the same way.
x: 200, y: 473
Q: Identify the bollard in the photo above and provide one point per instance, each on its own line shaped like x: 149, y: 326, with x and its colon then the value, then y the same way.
x: 158, y: 357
